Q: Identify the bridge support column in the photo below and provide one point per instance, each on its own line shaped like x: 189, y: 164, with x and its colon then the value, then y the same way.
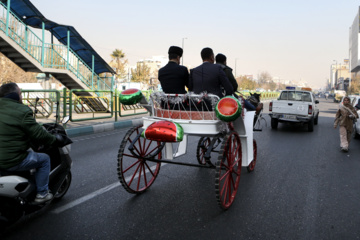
x: 43, y: 45
x: 26, y: 39
x: 64, y: 102
x: 92, y: 72
x: 68, y: 49
x: 7, y: 17
x: 112, y: 82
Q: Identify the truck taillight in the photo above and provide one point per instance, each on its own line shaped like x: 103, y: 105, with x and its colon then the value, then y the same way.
x: 270, y: 107
x: 310, y: 109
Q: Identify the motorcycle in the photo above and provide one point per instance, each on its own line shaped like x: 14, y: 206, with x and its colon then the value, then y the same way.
x: 18, y: 189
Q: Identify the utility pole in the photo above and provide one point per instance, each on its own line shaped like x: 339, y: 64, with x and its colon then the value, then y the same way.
x: 182, y: 59
x: 335, y: 75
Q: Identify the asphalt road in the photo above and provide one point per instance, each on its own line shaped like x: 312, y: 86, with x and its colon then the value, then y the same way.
x: 303, y: 187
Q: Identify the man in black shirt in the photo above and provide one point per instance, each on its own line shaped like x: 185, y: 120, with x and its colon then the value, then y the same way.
x: 174, y: 77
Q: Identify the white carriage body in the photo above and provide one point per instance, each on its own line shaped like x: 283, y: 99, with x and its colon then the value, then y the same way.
x: 198, y: 122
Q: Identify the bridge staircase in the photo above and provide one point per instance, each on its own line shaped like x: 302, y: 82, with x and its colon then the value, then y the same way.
x: 20, y: 44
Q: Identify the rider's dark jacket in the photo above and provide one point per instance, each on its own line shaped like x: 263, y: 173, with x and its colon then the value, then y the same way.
x: 17, y: 129
x: 174, y: 78
x: 229, y: 75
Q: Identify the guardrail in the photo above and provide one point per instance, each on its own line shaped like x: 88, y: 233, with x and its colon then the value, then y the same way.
x: 62, y: 103
x: 263, y: 95
x: 97, y: 99
x: 45, y: 102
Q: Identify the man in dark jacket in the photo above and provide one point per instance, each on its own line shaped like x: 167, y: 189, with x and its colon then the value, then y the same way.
x: 174, y: 77
x: 209, y: 77
x: 221, y: 60
x: 17, y: 129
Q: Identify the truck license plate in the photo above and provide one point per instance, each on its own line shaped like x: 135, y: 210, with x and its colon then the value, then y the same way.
x: 289, y: 116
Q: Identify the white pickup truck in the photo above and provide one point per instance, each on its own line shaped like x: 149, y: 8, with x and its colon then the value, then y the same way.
x: 294, y: 106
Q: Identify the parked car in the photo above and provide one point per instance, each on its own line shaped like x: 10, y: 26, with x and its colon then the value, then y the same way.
x: 339, y: 94
x: 356, y: 104
x: 352, y: 97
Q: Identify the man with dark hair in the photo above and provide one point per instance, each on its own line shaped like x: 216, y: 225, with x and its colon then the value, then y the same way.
x: 18, y: 129
x: 221, y: 60
x: 209, y: 77
x: 174, y: 77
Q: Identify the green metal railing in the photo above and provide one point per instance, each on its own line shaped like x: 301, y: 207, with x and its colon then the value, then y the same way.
x: 263, y: 95
x: 54, y: 56
x: 46, y: 104
x: 111, y: 110
x: 136, y: 109
x: 67, y: 99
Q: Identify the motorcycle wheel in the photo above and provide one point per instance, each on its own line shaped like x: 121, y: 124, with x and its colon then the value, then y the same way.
x: 64, y: 187
x: 10, y: 213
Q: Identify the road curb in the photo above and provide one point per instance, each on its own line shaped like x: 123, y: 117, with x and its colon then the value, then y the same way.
x: 104, y: 127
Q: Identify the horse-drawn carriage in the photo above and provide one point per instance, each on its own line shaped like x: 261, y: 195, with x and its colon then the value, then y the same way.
x: 222, y: 126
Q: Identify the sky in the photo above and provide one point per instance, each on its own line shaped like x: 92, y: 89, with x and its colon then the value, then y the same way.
x: 291, y: 40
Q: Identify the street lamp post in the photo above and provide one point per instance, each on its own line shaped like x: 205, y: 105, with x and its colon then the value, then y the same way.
x: 335, y: 73
x: 182, y: 60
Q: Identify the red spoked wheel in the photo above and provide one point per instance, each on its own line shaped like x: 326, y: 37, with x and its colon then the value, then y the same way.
x: 135, y: 173
x: 251, y: 166
x: 201, y: 149
x: 228, y: 170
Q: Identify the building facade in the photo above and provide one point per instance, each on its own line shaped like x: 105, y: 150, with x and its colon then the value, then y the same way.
x: 354, y: 47
x: 339, y: 75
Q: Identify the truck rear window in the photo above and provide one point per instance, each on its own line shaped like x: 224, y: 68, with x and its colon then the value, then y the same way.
x: 295, y: 96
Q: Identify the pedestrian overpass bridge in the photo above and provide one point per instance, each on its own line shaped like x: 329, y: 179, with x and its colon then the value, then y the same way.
x: 66, y: 56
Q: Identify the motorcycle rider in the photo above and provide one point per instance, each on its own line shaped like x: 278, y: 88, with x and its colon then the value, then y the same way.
x: 18, y: 129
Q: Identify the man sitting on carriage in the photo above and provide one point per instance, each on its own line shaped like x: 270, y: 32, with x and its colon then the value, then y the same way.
x: 209, y: 77
x: 174, y: 77
x: 212, y: 78
x: 254, y: 102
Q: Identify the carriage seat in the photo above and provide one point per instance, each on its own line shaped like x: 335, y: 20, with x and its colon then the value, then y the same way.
x: 184, y: 106
x: 185, y: 114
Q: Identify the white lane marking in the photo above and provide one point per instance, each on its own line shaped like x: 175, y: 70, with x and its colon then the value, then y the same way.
x: 85, y: 198
x: 94, y: 194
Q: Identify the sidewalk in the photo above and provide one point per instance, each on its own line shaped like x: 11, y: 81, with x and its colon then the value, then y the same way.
x: 74, y: 129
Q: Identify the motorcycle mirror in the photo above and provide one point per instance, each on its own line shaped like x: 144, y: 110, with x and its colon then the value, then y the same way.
x: 65, y: 119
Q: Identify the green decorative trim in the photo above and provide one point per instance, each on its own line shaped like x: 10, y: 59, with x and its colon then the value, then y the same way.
x: 233, y: 115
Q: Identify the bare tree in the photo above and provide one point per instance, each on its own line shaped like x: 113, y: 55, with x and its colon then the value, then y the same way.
x: 141, y: 74
x: 246, y: 83
x: 264, y: 77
